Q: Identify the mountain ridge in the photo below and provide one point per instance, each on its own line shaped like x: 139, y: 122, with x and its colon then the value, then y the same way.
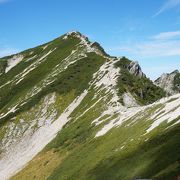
x: 67, y: 98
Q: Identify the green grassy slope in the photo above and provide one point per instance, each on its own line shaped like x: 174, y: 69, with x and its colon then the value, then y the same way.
x: 76, y: 77
x: 124, y: 152
x: 14, y: 91
x: 143, y: 156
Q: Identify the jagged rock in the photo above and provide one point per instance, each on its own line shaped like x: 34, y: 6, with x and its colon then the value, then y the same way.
x: 135, y: 69
x: 170, y: 82
x: 97, y: 46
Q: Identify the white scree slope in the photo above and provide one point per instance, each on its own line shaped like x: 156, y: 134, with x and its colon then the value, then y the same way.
x: 170, y: 112
x: 13, y: 62
x: 30, y: 146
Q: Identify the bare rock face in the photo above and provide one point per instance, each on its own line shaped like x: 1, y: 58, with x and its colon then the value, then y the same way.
x: 135, y: 69
x: 170, y: 82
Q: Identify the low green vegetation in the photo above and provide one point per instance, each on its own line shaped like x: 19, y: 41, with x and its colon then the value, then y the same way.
x: 75, y: 77
x: 123, y: 153
x: 3, y: 64
x: 13, y: 91
x: 142, y: 88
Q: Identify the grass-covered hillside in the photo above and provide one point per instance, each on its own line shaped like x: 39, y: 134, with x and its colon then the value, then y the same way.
x: 70, y: 111
x: 124, y: 152
x: 142, y: 88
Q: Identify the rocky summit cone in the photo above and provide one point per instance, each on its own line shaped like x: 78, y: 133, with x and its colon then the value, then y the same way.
x: 68, y: 110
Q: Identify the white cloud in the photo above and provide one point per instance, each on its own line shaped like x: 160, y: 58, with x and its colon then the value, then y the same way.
x: 156, y: 48
x: 167, y: 35
x: 160, y: 45
x: 156, y: 71
x: 7, y: 52
x: 169, y: 4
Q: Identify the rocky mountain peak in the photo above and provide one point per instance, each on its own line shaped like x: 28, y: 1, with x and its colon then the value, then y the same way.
x: 76, y: 34
x: 91, y: 46
x: 170, y: 82
x: 57, y: 100
x: 135, y: 69
x: 175, y: 72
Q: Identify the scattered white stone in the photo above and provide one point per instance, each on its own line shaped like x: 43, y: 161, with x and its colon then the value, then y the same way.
x: 123, y: 116
x: 33, y: 66
x: 31, y: 58
x: 129, y: 100
x: 13, y: 62
x: 12, y: 110
x: 17, y: 157
x: 171, y: 111
x: 5, y: 84
x: 45, y: 46
x: 122, y: 147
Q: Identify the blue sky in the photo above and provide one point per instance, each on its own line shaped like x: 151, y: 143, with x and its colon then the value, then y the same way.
x: 144, y: 30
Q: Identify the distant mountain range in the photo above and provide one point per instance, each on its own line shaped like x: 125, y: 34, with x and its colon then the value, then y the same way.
x: 70, y: 111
